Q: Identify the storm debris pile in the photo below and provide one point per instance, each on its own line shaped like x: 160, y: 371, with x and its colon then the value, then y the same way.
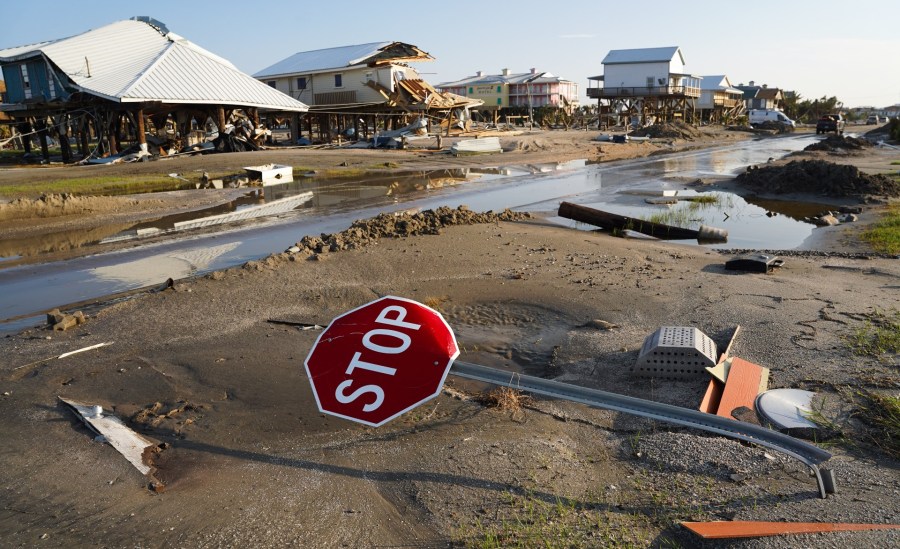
x: 429, y: 222
x: 671, y: 130
x: 834, y: 143
x: 820, y: 177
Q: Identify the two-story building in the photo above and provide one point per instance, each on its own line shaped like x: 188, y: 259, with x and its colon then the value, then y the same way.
x: 646, y: 85
x: 107, y: 83
x: 509, y: 90
x: 372, y: 82
x: 720, y: 101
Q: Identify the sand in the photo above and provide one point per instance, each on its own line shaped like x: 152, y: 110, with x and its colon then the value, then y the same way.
x: 248, y: 460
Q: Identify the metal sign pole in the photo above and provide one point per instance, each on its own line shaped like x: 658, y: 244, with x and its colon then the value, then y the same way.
x: 808, y: 454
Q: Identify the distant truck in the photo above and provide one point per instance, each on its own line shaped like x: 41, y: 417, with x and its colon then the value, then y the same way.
x: 758, y: 117
x: 831, y: 123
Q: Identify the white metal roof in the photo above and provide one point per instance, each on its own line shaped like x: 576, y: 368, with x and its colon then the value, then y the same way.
x: 134, y: 61
x: 317, y: 60
x: 642, y: 55
x: 718, y: 82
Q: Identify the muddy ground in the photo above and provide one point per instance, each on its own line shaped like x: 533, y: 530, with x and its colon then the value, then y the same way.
x: 212, y: 369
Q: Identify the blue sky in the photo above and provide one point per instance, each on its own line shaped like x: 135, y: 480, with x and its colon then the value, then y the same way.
x: 816, y: 47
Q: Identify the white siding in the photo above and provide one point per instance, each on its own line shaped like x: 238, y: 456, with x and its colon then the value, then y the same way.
x: 635, y: 75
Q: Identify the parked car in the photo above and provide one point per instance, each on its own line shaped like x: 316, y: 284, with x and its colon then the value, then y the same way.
x: 830, y: 123
x: 875, y: 119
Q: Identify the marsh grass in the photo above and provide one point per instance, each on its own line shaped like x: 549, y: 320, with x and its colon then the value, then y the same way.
x: 687, y: 211
x: 106, y: 185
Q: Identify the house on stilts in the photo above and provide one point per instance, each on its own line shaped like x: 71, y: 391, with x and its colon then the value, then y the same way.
x: 645, y: 86
x: 133, y: 85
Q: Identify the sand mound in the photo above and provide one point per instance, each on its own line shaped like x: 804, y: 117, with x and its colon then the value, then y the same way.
x: 834, y: 143
x: 820, y: 177
x: 672, y: 130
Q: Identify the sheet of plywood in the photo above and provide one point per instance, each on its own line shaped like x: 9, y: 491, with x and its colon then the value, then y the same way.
x: 742, y: 387
x: 752, y: 529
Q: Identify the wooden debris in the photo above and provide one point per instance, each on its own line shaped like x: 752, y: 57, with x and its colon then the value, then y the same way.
x: 614, y: 221
x: 124, y: 440
x: 745, y: 381
x: 752, y: 529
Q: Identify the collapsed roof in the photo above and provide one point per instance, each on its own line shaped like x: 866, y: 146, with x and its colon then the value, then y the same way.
x: 140, y: 61
x: 371, y: 54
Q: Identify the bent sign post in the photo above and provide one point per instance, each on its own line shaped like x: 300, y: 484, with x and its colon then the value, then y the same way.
x: 387, y: 357
x: 380, y: 360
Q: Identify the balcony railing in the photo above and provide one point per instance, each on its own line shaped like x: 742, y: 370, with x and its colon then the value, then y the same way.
x: 646, y: 91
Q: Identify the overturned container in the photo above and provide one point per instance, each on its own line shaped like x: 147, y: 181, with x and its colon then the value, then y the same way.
x: 675, y: 352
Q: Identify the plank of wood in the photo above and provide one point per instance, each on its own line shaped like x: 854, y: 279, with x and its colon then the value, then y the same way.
x: 742, y: 387
x: 710, y: 402
x: 752, y: 529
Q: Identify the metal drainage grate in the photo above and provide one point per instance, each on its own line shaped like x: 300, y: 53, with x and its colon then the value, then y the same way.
x: 675, y: 352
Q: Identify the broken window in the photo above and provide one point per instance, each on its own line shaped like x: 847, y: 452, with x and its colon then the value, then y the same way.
x: 51, y: 83
x: 26, y: 84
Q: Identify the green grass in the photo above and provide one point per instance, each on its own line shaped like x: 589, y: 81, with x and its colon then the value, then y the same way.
x: 106, y: 185
x: 526, y: 521
x: 685, y: 213
x: 878, y: 336
x: 704, y: 199
x: 878, y: 426
x: 895, y: 163
x: 884, y: 236
x: 882, y: 414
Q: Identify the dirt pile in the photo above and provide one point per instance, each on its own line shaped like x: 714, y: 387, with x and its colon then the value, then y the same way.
x: 839, y: 143
x: 671, y: 130
x: 55, y: 205
x: 364, y: 232
x: 819, y: 177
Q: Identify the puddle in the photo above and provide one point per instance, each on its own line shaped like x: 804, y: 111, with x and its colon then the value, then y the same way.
x: 326, y: 194
x: 750, y: 222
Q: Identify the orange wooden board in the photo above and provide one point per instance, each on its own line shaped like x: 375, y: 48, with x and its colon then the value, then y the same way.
x: 752, y: 529
x: 712, y: 397
x: 742, y: 386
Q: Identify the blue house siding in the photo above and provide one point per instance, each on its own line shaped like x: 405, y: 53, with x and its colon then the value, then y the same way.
x: 39, y: 83
x: 14, y: 91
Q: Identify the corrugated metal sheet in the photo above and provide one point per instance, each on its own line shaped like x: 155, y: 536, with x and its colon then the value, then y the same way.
x: 131, y: 61
x: 329, y: 58
x: 519, y: 78
x: 11, y: 54
x: 642, y: 55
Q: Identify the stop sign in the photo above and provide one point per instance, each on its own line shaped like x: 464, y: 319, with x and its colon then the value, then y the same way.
x: 378, y: 361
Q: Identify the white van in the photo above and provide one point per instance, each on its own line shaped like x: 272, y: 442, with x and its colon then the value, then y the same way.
x: 759, y: 116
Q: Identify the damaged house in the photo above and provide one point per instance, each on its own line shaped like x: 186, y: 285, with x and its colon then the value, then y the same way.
x: 352, y: 89
x: 133, y: 86
x: 720, y: 102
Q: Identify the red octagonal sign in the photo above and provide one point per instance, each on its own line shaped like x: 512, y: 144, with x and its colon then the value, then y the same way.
x: 378, y: 361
